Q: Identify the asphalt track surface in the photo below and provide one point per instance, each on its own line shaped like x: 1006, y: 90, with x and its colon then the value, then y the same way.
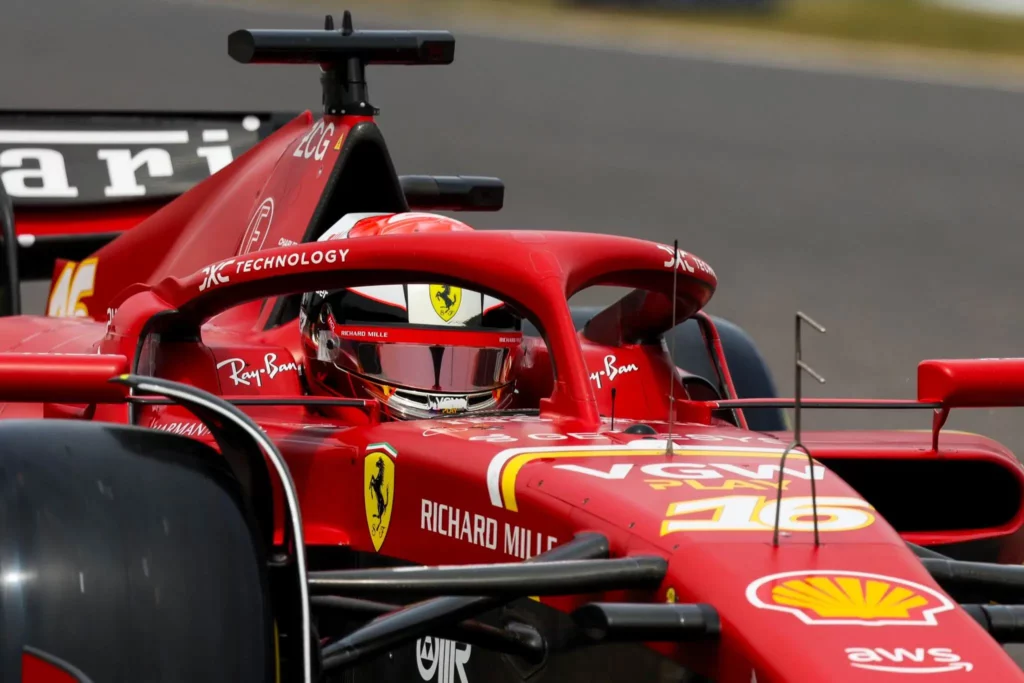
x: 889, y: 210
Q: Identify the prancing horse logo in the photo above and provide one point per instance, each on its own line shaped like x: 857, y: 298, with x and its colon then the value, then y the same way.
x: 379, y: 491
x: 446, y: 300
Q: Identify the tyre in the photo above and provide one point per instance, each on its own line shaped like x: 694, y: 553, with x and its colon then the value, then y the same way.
x: 749, y: 371
x: 126, y: 556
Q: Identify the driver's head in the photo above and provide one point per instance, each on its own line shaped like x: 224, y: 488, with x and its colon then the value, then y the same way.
x: 422, y: 349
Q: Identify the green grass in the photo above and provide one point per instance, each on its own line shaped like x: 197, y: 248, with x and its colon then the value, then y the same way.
x: 914, y: 23
x: 905, y: 22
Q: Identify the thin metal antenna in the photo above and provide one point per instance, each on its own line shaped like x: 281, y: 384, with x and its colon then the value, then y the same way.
x: 800, y: 367
x: 672, y: 382
x: 613, y: 409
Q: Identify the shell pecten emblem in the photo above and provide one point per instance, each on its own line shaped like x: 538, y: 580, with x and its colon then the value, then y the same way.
x: 379, y: 490
x: 846, y: 598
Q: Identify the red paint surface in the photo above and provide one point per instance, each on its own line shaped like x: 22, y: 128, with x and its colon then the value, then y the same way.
x: 35, y: 669
x: 500, y: 489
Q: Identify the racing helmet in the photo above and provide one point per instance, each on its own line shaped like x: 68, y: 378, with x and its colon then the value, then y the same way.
x: 421, y: 349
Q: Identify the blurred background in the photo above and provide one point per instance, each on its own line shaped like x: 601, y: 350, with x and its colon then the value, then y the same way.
x: 860, y: 160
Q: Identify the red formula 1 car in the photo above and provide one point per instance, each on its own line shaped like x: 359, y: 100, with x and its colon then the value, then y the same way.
x: 292, y: 428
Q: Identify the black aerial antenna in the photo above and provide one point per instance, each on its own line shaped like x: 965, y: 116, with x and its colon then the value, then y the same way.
x: 675, y: 374
x: 346, y: 92
x: 800, y: 367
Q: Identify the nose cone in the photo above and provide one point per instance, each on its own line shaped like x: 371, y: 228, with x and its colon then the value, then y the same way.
x: 858, y: 607
x: 857, y: 625
x: 696, y: 495
x: 848, y: 598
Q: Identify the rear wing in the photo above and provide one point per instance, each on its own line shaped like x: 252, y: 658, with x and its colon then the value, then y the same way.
x: 79, y: 179
x: 75, y: 181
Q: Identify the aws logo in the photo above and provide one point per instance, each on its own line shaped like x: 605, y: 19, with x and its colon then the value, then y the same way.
x: 379, y: 490
x: 900, y: 660
x: 841, y: 598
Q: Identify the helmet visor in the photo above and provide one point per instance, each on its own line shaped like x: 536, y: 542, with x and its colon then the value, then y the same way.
x: 450, y: 362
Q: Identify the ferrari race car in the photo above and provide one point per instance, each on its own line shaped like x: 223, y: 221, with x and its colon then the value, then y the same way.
x: 295, y: 425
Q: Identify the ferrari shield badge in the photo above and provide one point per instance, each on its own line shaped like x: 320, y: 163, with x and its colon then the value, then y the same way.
x: 379, y: 491
x: 446, y: 300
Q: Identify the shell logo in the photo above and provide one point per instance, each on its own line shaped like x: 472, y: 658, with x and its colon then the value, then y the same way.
x: 845, y: 598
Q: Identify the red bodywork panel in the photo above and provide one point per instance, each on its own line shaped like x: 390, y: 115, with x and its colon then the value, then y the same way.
x: 211, y: 266
x: 974, y: 383
x: 76, y: 222
x: 38, y: 667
